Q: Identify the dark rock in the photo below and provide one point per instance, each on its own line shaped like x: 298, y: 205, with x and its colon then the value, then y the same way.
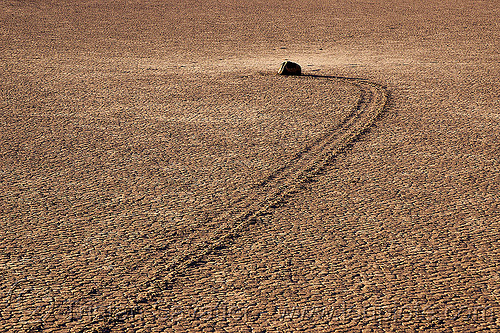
x: 290, y: 68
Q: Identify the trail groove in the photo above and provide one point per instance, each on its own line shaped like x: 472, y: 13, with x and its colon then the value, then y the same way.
x: 282, y: 183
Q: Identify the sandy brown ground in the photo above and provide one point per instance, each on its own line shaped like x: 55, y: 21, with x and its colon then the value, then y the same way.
x: 133, y: 132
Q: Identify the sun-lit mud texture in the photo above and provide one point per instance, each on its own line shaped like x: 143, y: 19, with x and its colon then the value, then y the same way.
x: 130, y: 130
x: 107, y: 187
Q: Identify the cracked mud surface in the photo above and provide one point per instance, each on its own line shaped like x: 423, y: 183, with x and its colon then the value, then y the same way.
x: 157, y: 176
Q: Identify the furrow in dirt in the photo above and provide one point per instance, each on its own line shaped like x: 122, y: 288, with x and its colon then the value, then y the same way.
x: 282, y: 183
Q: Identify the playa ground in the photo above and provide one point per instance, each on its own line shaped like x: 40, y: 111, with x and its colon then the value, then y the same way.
x: 156, y: 175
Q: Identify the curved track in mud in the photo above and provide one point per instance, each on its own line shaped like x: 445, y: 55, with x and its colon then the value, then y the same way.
x: 267, y: 194
x: 283, y: 182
